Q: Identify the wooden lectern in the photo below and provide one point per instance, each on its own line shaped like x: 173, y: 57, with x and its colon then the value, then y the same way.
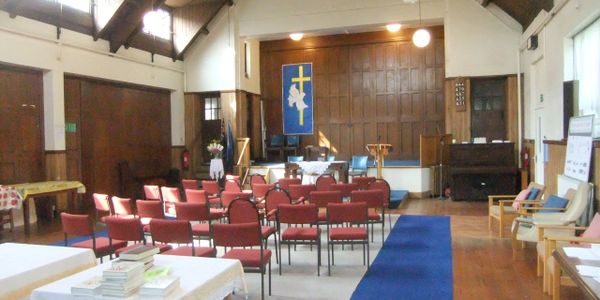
x: 379, y: 151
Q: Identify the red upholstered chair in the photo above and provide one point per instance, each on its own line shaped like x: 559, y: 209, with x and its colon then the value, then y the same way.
x: 299, y: 215
x: 189, y: 184
x: 199, y: 212
x: 128, y: 230
x: 242, y: 210
x: 363, y: 182
x: 122, y: 207
x: 321, y: 199
x: 381, y: 184
x: 324, y: 182
x: 180, y: 232
x: 245, y: 235
x: 301, y: 192
x: 170, y: 196
x: 284, y: 183
x: 201, y: 196
x: 103, y: 207
x: 257, y: 178
x: 228, y: 197
x: 148, y: 210
x: 344, y: 214
x: 374, y: 200
x: 345, y: 188
x: 273, y: 199
x: 152, y: 192
x: 81, y: 225
x: 214, y: 192
x: 232, y: 185
x: 259, y: 191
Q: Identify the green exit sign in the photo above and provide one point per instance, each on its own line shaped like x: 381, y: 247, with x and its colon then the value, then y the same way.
x: 70, y: 127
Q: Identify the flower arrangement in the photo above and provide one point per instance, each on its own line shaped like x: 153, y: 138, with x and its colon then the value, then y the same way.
x: 215, y: 148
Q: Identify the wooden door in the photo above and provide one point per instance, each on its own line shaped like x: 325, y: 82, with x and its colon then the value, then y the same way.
x: 21, y: 119
x: 488, y: 98
x: 116, y: 123
x: 254, y: 126
x: 212, y: 120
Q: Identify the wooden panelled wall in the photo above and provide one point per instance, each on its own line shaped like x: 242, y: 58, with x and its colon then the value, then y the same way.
x: 21, y: 125
x: 115, y: 122
x: 557, y: 151
x: 366, y: 85
x: 458, y: 123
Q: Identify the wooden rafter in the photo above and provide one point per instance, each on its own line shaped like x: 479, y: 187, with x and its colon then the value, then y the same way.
x: 204, y: 28
x: 127, y: 26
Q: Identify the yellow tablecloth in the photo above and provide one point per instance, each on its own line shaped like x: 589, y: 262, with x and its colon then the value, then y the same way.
x: 34, y: 188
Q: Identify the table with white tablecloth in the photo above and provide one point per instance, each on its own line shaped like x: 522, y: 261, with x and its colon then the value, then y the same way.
x: 313, y: 169
x: 199, y: 277
x: 24, y: 267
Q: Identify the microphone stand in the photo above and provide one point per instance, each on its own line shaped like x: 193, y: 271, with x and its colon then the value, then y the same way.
x: 441, y: 197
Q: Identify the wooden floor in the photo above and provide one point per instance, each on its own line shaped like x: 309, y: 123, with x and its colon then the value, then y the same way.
x: 483, y: 264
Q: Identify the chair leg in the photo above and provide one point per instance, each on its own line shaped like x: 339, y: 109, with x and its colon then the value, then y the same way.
x: 262, y: 283
x: 319, y: 257
x: 328, y: 263
x: 382, y: 230
x: 290, y: 255
x: 540, y: 266
x: 276, y: 249
x: 270, y: 277
x: 556, y: 281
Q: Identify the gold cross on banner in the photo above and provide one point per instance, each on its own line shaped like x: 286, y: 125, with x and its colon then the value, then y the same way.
x: 301, y: 79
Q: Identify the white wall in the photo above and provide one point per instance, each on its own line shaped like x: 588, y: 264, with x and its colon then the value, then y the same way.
x: 33, y: 44
x: 544, y: 69
x: 277, y: 18
x: 210, y: 63
x: 481, y: 44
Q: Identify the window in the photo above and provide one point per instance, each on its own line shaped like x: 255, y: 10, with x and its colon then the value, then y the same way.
x: 212, y: 108
x: 158, y: 23
x: 586, y: 56
x: 82, y: 5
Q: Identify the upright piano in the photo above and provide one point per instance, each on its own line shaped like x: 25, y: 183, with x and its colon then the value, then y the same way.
x: 479, y: 170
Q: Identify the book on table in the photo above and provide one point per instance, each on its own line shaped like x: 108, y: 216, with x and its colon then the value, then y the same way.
x: 90, y: 287
x: 139, y: 253
x: 160, y: 286
x: 123, y: 269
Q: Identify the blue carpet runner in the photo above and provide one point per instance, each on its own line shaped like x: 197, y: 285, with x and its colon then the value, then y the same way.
x: 70, y: 241
x: 414, y: 263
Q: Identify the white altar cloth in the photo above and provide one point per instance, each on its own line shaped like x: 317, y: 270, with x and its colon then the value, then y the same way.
x: 199, y: 277
x: 26, y: 267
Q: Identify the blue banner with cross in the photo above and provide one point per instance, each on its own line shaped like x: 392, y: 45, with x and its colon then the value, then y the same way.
x: 297, y: 100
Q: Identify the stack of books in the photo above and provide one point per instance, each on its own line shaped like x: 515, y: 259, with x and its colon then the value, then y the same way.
x: 122, y: 279
x: 143, y: 254
x: 90, y: 287
x: 159, y: 287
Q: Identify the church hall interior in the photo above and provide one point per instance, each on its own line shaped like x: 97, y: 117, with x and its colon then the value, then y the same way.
x: 300, y: 149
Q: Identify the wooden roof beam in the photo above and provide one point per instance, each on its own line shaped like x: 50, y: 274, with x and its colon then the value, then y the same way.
x: 128, y: 25
x: 11, y: 6
x: 204, y: 28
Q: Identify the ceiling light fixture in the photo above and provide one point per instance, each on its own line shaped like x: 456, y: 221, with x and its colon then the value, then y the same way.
x: 296, y: 36
x: 393, y: 27
x: 421, y: 37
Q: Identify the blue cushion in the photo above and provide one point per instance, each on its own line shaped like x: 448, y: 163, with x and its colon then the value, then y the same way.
x: 292, y: 140
x: 359, y: 162
x: 533, y: 193
x: 276, y: 140
x: 555, y: 202
x: 396, y: 197
x: 293, y: 158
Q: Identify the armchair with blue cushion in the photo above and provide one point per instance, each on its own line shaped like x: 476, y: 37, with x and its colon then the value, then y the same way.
x: 275, y: 144
x: 292, y: 143
x: 358, y: 166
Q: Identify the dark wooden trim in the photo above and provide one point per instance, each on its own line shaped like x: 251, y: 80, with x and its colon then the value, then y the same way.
x: 482, y: 77
x: 55, y: 152
x: 117, y: 83
x: 528, y: 141
x: 595, y: 143
x: 177, y: 146
x: 375, y: 37
x: 203, y: 29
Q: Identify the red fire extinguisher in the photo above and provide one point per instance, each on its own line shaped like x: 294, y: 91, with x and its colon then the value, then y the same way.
x: 185, y: 159
x: 525, y: 157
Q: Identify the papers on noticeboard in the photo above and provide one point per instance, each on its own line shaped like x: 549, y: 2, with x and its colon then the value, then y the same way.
x: 579, y: 147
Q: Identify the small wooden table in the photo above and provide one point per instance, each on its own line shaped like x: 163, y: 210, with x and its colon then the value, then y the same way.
x: 589, y: 286
x: 291, y: 169
x: 47, y: 188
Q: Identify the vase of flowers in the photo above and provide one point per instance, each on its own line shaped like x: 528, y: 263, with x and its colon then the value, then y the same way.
x: 215, y: 148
